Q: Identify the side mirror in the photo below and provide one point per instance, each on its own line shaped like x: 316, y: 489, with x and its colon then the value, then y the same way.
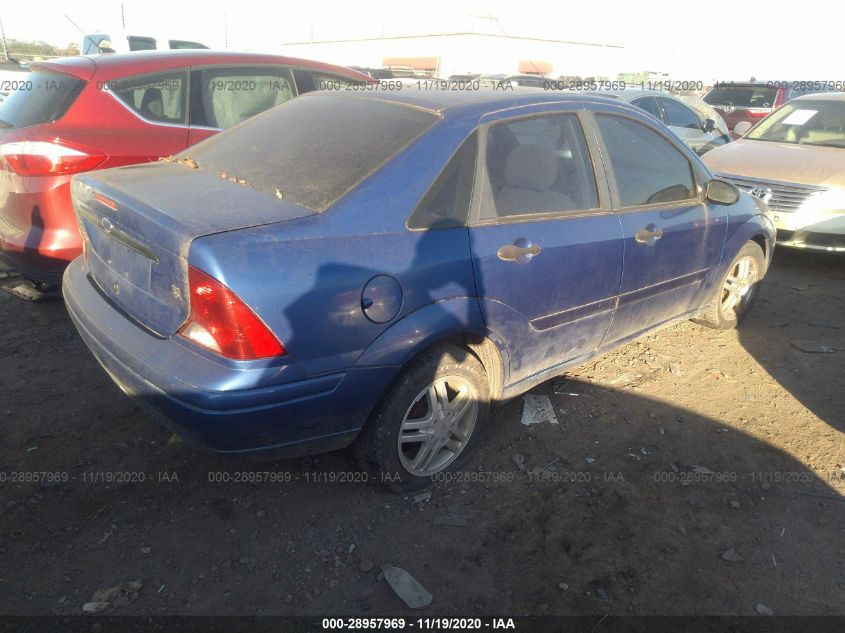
x: 722, y: 192
x: 741, y: 128
x: 709, y: 126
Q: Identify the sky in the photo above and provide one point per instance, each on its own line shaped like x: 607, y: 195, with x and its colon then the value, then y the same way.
x: 690, y: 40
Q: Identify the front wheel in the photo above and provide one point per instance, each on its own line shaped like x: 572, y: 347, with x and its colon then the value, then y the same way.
x: 429, y: 420
x: 737, y: 289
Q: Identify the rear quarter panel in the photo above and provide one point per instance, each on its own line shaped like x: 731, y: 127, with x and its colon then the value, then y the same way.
x: 305, y: 277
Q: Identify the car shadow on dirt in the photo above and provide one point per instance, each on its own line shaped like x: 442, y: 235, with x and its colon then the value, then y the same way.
x: 626, y: 505
x: 803, y: 350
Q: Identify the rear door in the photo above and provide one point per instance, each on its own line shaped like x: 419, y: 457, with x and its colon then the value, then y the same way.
x: 671, y: 237
x: 160, y: 101
x: 546, y: 248
x: 224, y: 96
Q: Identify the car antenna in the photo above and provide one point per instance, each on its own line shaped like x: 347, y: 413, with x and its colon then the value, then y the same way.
x: 78, y: 28
x: 3, y: 40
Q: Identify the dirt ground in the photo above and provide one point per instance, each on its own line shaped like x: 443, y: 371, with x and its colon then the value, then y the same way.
x: 691, y: 472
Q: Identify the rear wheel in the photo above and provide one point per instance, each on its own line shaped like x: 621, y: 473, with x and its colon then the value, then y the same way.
x: 737, y: 289
x: 429, y: 421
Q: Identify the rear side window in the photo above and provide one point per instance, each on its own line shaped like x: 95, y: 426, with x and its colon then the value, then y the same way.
x: 159, y: 97
x: 41, y: 97
x: 649, y: 104
x: 231, y: 95
x: 446, y: 204
x: 313, y: 149
x: 539, y: 165
x: 139, y: 43
x: 647, y: 168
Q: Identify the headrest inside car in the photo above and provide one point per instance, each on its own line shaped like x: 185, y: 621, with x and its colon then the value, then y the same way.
x: 531, y: 167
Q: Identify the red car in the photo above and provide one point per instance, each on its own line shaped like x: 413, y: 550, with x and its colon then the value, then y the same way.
x: 746, y: 101
x: 82, y: 113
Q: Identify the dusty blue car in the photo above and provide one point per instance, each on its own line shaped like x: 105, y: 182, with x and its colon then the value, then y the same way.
x: 378, y: 269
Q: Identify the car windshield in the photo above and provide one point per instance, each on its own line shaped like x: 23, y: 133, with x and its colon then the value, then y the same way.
x: 41, y: 97
x: 742, y: 96
x: 805, y: 123
x: 312, y: 150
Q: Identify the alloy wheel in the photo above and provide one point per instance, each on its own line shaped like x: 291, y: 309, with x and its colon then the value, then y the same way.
x: 739, y: 287
x: 438, y: 425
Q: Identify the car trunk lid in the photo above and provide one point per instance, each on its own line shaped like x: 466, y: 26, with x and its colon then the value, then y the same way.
x: 139, y: 222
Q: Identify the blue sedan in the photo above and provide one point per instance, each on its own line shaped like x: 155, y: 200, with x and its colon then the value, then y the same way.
x: 378, y: 269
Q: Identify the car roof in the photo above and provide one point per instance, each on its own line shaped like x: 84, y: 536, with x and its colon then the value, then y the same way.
x: 476, y: 102
x: 822, y: 96
x: 745, y: 84
x: 631, y: 93
x: 83, y: 66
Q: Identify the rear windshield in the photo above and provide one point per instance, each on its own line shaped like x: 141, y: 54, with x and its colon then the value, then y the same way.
x: 312, y: 150
x: 41, y: 97
x: 742, y: 96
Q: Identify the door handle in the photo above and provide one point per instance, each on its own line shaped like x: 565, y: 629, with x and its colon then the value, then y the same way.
x: 521, y: 251
x: 649, y: 234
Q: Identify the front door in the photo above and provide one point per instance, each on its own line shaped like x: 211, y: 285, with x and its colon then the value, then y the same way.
x: 547, y: 253
x: 671, y: 236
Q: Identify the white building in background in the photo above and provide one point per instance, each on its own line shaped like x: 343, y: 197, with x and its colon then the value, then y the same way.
x: 447, y: 54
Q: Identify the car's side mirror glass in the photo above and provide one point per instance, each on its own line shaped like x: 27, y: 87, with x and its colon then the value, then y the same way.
x: 722, y: 192
x: 709, y: 125
x: 742, y: 128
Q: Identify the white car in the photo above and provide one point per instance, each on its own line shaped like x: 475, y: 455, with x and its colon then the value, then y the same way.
x: 121, y: 41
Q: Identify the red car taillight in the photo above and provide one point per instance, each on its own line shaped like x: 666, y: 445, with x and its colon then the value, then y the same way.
x: 48, y: 158
x: 221, y: 322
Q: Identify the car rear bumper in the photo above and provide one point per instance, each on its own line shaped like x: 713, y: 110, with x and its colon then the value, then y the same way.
x: 186, y: 389
x: 38, y: 232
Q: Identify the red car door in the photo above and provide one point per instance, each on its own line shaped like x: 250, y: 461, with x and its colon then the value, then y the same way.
x: 158, y: 102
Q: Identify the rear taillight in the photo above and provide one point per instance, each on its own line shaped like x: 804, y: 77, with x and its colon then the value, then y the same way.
x: 221, y: 322
x: 48, y: 158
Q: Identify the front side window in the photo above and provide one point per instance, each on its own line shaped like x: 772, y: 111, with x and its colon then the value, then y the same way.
x: 678, y: 115
x: 647, y: 168
x: 539, y: 165
x: 232, y: 95
x: 159, y: 97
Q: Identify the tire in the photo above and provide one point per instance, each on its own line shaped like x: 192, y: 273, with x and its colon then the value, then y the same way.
x: 726, y: 309
x: 452, y: 379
